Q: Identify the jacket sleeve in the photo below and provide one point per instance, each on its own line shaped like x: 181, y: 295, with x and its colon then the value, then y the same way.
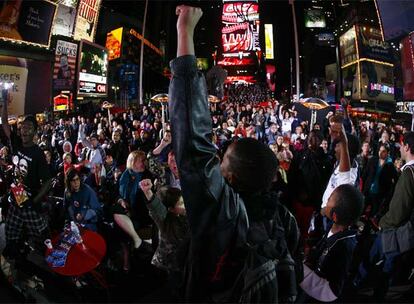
x: 402, y: 202
x: 157, y: 211
x: 198, y: 165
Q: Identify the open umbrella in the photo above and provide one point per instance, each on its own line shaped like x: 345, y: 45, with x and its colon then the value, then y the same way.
x: 107, y: 106
x: 213, y: 99
x: 162, y: 97
x: 315, y: 103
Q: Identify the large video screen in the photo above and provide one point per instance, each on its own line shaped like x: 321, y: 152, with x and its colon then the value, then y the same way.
x: 315, y: 18
x: 27, y: 21
x: 93, y: 70
x: 240, y: 27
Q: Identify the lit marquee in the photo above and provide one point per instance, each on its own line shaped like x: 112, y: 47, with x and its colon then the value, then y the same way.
x: 240, y: 28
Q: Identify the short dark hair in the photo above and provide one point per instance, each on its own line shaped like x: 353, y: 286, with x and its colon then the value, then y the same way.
x: 348, y: 205
x: 169, y: 196
x: 385, y: 145
x: 32, y: 119
x: 409, y: 140
x: 253, y: 164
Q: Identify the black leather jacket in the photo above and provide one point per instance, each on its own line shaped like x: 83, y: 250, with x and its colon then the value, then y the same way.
x: 216, y: 213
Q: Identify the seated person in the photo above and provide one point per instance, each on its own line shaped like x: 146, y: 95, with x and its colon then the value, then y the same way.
x: 327, y: 265
x: 81, y: 201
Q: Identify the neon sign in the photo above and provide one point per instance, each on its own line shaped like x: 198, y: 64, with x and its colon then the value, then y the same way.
x: 240, y: 28
x: 382, y: 87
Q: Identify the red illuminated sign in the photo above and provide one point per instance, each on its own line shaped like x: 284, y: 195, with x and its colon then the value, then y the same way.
x: 240, y: 27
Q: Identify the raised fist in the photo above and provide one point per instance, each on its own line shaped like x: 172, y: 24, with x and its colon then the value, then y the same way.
x: 188, y: 18
x: 145, y: 185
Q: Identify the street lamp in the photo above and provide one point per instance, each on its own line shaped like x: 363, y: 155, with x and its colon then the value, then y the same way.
x: 115, y: 88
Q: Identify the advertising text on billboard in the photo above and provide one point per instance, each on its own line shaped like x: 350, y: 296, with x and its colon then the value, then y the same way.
x: 371, y: 45
x: 65, y: 65
x: 27, y: 21
x: 87, y: 19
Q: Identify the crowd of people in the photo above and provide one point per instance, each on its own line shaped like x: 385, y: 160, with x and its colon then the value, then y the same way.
x: 246, y: 92
x: 214, y: 197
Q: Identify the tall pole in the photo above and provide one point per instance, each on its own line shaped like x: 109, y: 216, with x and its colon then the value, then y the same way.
x: 141, y: 60
x: 295, y: 29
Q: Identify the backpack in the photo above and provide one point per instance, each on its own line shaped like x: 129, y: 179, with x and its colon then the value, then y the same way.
x: 268, y: 274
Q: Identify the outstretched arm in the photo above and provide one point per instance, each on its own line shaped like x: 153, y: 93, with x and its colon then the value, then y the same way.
x: 188, y: 18
x: 199, y: 167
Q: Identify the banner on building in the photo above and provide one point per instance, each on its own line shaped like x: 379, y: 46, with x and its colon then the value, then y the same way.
x: 64, y: 20
x: 114, y: 43
x: 27, y: 21
x: 65, y: 65
x: 347, y: 46
x: 371, y: 45
x: 87, y: 19
x: 240, y: 31
x: 28, y: 84
x: 269, y: 41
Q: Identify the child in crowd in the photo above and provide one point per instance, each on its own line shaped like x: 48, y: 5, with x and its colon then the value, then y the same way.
x: 327, y: 265
x: 168, y: 212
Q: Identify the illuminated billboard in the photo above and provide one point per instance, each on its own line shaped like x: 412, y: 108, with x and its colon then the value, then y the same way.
x: 315, y: 18
x: 65, y: 65
x: 377, y: 81
x: 347, y: 46
x: 269, y: 41
x: 29, y: 84
x: 240, y: 28
x: 64, y: 20
x: 87, y: 19
x: 93, y: 70
x: 27, y: 21
x: 114, y: 43
x: 368, y: 80
x: 371, y: 45
x: 202, y: 64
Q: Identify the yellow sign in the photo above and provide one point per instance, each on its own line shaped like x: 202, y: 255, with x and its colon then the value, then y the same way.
x: 114, y: 43
x: 269, y: 41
